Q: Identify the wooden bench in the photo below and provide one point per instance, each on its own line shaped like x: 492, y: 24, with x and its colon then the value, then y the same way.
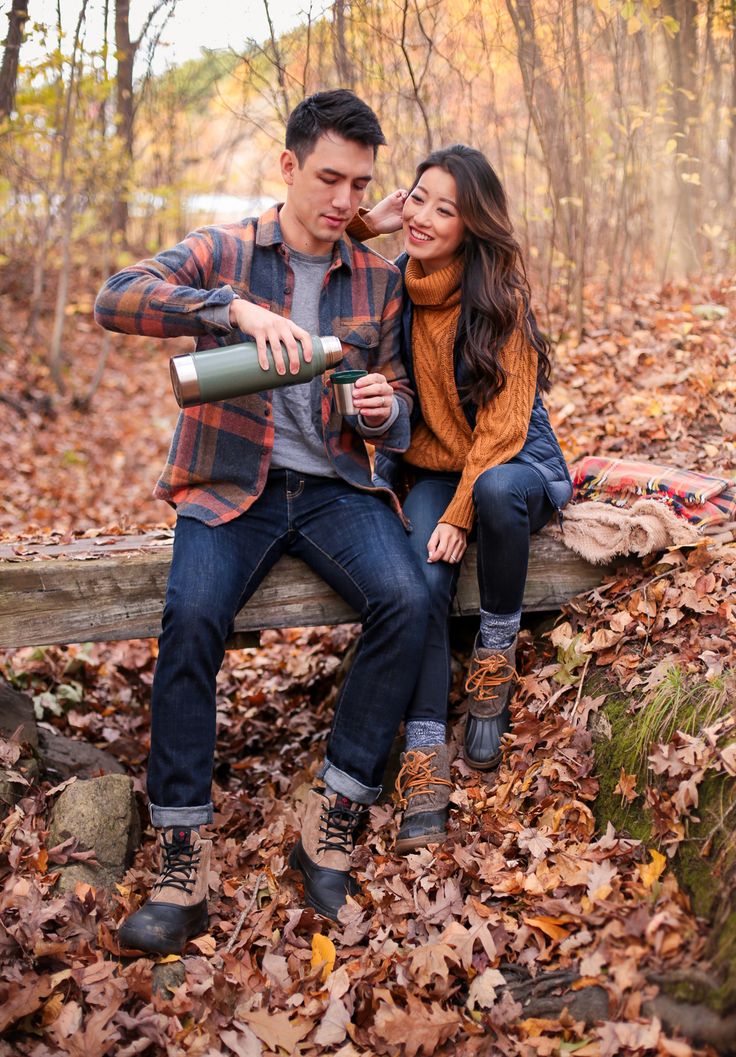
x: 112, y: 587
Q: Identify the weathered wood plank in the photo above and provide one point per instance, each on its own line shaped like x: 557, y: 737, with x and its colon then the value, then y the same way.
x: 69, y: 593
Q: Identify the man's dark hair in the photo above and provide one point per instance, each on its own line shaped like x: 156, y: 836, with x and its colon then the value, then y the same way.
x: 338, y: 111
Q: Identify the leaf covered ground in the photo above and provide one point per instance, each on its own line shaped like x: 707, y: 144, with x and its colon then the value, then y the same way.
x: 525, y: 885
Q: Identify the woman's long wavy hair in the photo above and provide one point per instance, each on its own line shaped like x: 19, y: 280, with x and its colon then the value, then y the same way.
x: 495, y: 294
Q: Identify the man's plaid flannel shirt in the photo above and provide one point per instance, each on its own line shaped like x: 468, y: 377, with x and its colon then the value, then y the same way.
x: 220, y: 453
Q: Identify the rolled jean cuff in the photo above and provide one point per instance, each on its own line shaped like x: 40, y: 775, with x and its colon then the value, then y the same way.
x: 166, y: 817
x: 346, y: 785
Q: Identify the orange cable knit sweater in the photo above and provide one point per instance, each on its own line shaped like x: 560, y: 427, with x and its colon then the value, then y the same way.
x: 444, y: 440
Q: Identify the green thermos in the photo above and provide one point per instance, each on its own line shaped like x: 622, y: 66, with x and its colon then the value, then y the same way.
x: 234, y: 370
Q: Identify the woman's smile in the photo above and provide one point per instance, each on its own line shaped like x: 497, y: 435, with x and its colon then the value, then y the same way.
x: 419, y: 235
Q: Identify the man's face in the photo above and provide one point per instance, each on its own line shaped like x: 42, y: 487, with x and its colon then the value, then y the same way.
x: 324, y: 193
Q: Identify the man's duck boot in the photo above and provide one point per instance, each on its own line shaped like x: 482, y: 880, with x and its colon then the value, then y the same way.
x: 322, y: 854
x: 177, y: 908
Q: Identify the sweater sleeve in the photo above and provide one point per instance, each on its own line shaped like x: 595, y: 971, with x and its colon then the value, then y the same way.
x: 501, y: 427
x: 359, y: 228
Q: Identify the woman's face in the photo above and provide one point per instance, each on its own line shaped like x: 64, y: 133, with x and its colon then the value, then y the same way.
x: 433, y: 229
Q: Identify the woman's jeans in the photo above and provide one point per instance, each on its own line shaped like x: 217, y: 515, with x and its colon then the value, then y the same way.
x: 359, y: 546
x: 510, y: 504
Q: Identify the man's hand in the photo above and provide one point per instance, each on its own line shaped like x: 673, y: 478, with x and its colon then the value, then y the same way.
x: 386, y: 216
x: 268, y: 327
x: 447, y: 543
x: 373, y: 397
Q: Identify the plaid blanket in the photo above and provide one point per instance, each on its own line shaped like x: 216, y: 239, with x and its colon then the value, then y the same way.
x: 700, y: 499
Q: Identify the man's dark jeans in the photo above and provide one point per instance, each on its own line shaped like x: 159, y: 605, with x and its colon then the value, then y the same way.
x: 510, y: 504
x: 358, y: 545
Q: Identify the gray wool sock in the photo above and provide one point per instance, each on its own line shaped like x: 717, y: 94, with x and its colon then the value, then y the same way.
x: 423, y: 732
x: 498, y: 630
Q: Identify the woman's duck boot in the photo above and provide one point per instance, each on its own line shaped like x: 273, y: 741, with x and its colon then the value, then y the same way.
x: 489, y: 686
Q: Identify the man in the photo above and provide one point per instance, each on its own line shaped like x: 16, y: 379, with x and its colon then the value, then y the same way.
x: 272, y: 472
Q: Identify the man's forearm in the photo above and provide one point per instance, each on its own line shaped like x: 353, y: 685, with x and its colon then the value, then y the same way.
x: 166, y: 296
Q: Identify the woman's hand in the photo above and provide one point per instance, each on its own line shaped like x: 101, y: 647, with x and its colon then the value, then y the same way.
x: 373, y: 398
x: 447, y: 543
x: 386, y: 216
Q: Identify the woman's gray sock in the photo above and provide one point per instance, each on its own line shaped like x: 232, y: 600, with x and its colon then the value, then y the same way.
x: 498, y: 630
x: 423, y: 732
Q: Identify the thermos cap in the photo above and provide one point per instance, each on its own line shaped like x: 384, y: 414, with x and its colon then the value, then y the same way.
x: 332, y: 348
x: 184, y: 380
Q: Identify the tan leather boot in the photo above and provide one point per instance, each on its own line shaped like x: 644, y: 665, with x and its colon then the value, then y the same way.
x: 491, y: 680
x: 177, y: 908
x: 423, y: 786
x: 322, y: 854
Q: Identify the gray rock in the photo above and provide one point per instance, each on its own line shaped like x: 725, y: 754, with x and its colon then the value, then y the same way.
x: 11, y: 790
x: 589, y: 1005
x: 167, y: 977
x: 17, y: 714
x: 102, y: 814
x: 16, y: 710
x: 67, y: 758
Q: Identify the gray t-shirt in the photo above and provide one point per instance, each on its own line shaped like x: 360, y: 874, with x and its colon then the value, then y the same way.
x: 298, y: 445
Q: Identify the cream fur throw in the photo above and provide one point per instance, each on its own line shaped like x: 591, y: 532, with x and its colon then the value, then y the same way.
x: 600, y: 532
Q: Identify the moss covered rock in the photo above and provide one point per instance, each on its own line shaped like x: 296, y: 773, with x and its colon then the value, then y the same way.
x: 665, y: 805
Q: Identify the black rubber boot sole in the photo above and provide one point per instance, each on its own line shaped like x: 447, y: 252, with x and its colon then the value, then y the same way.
x: 163, y: 928
x: 483, y: 765
x: 325, y: 890
x: 421, y: 829
x: 483, y: 737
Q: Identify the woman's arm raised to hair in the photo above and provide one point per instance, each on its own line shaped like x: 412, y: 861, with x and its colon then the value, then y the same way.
x: 385, y: 216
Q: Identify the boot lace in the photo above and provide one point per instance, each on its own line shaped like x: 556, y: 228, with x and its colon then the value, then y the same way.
x: 416, y: 776
x: 337, y: 826
x: 491, y: 672
x: 180, y: 862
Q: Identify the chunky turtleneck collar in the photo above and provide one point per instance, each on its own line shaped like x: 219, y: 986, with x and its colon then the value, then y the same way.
x: 440, y: 289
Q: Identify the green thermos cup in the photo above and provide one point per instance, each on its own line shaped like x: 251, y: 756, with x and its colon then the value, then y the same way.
x: 234, y: 370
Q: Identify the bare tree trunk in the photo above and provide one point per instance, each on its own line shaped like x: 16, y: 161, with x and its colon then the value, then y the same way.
x: 41, y: 242
x: 17, y: 18
x: 62, y: 292
x: 276, y: 58
x: 547, y: 116
x: 125, y: 50
x: 84, y: 402
x: 683, y: 53
x: 416, y: 82
x: 582, y: 227
x: 66, y: 187
x: 643, y: 151
x: 732, y: 129
x: 615, y: 246
x: 343, y: 64
x: 39, y: 271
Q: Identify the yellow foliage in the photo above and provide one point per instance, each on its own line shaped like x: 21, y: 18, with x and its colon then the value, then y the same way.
x: 324, y: 954
x: 650, y: 872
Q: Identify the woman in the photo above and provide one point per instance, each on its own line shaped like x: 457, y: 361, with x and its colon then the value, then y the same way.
x: 483, y: 456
